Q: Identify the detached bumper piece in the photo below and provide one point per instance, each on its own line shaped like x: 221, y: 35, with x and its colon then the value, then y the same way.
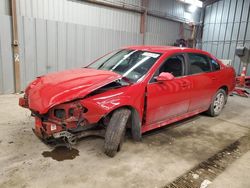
x: 72, y: 138
x: 23, y: 102
x: 242, y: 86
x: 50, y: 133
x: 241, y: 92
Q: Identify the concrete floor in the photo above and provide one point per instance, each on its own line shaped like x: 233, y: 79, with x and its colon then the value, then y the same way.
x: 160, y: 158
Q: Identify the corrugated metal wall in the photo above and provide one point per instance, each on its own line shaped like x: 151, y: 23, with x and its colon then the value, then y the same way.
x: 161, y: 31
x: 61, y: 34
x: 174, y: 8
x: 165, y: 32
x: 4, y: 7
x: 226, y: 26
x: 79, y: 12
x: 48, y: 46
x: 6, y: 61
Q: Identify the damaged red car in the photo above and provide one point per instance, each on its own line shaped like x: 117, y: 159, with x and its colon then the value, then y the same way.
x: 138, y: 88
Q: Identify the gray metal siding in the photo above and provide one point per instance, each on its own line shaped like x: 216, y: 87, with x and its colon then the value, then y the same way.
x: 161, y: 31
x: 48, y: 46
x: 227, y: 26
x: 6, y: 58
x: 174, y: 8
x: 79, y: 12
x: 4, y: 7
x: 59, y: 34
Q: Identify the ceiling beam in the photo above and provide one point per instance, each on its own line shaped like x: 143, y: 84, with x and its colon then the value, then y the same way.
x: 138, y: 9
x: 209, y: 2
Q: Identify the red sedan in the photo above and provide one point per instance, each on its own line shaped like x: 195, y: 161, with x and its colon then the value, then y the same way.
x: 140, y: 88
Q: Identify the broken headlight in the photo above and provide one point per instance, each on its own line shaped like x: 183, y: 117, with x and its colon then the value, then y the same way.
x: 60, y: 113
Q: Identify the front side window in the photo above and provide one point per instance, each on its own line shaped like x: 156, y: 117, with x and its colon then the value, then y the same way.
x: 132, y: 64
x: 174, y: 65
x: 215, y: 65
x: 198, y: 63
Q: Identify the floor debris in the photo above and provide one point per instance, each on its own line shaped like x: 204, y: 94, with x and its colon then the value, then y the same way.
x: 205, y: 183
x: 195, y: 176
x: 200, y: 176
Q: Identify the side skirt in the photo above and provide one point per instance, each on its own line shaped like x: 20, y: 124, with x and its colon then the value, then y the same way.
x: 146, y: 127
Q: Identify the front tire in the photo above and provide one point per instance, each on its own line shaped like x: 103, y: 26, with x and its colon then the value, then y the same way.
x: 218, y: 103
x: 115, y: 131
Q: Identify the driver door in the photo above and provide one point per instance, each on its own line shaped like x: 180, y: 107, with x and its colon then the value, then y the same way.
x: 168, y: 99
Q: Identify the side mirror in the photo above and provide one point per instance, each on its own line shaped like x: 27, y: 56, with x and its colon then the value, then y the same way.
x: 164, y: 76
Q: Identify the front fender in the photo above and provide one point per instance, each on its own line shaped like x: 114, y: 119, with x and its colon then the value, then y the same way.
x: 102, y: 104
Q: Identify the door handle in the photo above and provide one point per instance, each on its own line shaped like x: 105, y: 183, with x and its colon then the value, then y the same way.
x: 213, y: 78
x: 184, y: 84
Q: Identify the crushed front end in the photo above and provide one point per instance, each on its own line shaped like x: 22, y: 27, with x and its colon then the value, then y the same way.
x: 59, y: 105
x: 63, y: 123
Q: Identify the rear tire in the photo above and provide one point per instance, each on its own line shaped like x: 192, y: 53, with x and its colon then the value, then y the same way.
x: 115, y: 131
x: 218, y: 102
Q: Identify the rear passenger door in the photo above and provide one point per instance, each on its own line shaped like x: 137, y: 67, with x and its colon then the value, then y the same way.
x: 200, y: 74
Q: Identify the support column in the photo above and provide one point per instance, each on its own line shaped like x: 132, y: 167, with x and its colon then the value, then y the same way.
x: 15, y: 45
x: 143, y: 25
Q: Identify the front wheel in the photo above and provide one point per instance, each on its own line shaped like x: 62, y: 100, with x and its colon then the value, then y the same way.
x: 218, y: 103
x: 115, y: 131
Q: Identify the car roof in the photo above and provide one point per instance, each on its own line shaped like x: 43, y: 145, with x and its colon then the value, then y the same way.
x: 167, y: 49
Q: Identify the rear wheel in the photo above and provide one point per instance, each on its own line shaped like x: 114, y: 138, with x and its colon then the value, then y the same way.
x: 218, y: 103
x: 115, y: 131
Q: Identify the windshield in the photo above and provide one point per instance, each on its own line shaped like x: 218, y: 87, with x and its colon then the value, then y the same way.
x: 132, y: 64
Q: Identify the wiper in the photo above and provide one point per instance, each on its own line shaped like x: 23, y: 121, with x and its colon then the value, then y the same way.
x: 124, y: 81
x: 87, y: 67
x: 101, y: 65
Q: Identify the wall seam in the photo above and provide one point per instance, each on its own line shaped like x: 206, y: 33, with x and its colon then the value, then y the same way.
x: 2, y: 85
x: 232, y: 33
x: 224, y: 41
x: 245, y: 34
x: 35, y: 35
x: 238, y: 33
x: 220, y: 25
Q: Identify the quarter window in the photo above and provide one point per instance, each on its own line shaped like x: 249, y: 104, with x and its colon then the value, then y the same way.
x: 198, y: 63
x: 215, y: 65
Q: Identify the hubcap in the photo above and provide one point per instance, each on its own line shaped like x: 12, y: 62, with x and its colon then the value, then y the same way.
x: 219, y: 102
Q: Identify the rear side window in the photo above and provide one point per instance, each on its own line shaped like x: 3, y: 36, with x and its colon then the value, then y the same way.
x: 215, y: 65
x: 198, y: 63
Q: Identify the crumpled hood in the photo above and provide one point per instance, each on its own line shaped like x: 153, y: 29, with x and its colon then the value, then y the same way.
x: 56, y: 88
